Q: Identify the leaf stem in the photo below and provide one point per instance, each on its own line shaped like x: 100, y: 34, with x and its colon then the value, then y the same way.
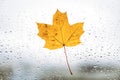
x: 67, y: 61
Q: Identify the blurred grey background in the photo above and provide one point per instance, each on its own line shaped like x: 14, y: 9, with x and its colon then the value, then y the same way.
x: 22, y: 56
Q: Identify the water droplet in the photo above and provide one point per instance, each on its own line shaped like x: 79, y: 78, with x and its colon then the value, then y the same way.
x: 8, y: 19
x: 1, y: 45
x: 5, y: 32
x: 7, y: 58
x: 89, y: 33
x: 10, y: 31
x: 95, y: 36
x: 6, y: 51
x: 91, y: 49
x: 11, y: 51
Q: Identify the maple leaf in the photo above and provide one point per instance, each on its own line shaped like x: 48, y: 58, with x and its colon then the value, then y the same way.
x: 60, y: 33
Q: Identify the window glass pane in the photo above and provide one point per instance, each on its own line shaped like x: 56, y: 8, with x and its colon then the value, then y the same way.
x: 23, y: 57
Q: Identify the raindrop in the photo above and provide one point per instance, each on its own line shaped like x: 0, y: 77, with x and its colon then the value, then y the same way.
x: 91, y: 49
x: 95, y: 66
x: 108, y: 70
x: 38, y: 67
x: 89, y: 33
x: 75, y: 54
x: 89, y: 55
x: 83, y: 18
x: 5, y: 32
x: 101, y: 46
x: 3, y: 62
x: 11, y: 51
x: 10, y: 31
x: 95, y: 36
x: 8, y: 58
x: 8, y: 19
x: 6, y: 51
x: 95, y: 53
x: 100, y: 18
x: 101, y: 37
x: 1, y: 45
x: 101, y: 71
x: 98, y: 61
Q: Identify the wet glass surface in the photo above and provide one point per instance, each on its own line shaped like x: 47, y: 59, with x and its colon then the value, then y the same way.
x: 22, y: 56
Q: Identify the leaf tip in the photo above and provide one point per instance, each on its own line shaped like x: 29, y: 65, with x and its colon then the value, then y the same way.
x: 58, y: 11
x: 82, y: 23
x: 37, y: 23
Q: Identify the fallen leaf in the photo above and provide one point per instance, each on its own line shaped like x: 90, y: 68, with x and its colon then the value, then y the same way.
x: 60, y: 33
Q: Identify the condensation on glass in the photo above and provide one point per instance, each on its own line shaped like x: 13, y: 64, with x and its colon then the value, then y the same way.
x: 22, y: 56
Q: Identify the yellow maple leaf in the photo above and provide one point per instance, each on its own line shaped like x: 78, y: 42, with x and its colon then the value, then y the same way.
x: 60, y: 33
